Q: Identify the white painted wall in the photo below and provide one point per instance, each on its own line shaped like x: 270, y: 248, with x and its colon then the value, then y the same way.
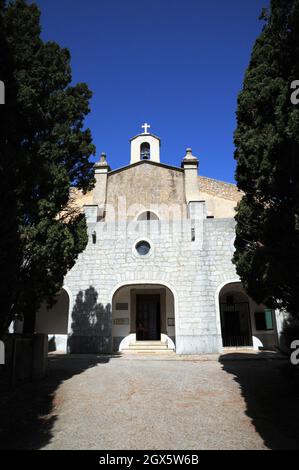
x: 54, y: 321
x: 121, y: 296
x: 192, y: 270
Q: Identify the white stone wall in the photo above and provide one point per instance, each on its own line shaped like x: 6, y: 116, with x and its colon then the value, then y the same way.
x: 192, y: 270
x: 54, y: 320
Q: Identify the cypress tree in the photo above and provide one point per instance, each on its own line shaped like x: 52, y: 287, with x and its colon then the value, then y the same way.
x: 44, y: 151
x: 267, y: 155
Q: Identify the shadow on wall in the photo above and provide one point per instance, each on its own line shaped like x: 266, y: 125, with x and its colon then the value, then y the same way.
x: 269, y: 385
x: 52, y: 344
x: 91, y: 325
x: 28, y: 412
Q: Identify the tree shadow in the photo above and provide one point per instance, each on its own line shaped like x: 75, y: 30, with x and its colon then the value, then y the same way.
x: 269, y: 385
x: 91, y: 325
x: 29, y: 411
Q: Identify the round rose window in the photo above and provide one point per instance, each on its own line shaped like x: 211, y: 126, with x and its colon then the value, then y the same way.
x: 143, y: 248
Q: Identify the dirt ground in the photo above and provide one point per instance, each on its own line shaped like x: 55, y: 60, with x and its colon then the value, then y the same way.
x: 234, y: 401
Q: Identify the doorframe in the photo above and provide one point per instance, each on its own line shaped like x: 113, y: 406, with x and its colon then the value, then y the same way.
x: 160, y: 291
x: 157, y: 296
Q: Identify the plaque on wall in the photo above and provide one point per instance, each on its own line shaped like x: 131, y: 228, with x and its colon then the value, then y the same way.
x: 121, y: 306
x: 170, y: 322
x: 121, y: 321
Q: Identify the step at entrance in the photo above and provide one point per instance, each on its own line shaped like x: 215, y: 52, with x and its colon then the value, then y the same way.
x: 148, y: 347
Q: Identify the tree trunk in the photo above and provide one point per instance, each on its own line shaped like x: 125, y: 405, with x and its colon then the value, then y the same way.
x: 29, y: 322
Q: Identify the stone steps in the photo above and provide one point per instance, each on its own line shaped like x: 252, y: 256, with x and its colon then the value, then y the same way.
x: 149, y: 343
x: 147, y: 351
x: 148, y: 347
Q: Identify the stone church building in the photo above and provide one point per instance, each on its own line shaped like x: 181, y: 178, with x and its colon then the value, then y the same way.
x: 156, y: 274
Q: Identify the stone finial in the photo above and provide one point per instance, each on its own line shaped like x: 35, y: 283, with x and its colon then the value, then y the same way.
x: 102, y: 163
x: 190, y: 166
x: 189, y: 158
x: 103, y: 157
x: 189, y: 155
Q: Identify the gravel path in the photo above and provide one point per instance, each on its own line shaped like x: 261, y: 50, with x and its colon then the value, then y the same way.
x: 150, y: 402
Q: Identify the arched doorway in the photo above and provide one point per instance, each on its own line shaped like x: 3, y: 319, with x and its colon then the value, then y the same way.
x: 54, y: 322
x: 234, y: 306
x: 143, y: 315
x: 244, y: 323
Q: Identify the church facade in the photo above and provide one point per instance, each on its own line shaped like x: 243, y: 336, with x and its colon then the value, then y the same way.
x: 157, y: 274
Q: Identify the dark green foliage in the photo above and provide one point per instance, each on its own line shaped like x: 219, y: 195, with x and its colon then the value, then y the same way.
x: 289, y: 333
x: 267, y: 154
x: 44, y: 150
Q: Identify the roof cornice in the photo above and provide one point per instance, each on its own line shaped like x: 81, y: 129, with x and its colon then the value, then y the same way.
x: 145, y: 135
x: 145, y: 162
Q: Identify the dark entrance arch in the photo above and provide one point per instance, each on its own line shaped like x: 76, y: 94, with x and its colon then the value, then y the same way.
x: 235, y: 316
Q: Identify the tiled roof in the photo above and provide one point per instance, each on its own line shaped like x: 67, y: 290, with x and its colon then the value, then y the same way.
x: 219, y: 188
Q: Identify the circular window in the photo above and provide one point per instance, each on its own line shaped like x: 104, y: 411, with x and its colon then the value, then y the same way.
x: 143, y: 248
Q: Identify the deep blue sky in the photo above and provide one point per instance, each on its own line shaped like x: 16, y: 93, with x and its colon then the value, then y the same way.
x: 176, y: 64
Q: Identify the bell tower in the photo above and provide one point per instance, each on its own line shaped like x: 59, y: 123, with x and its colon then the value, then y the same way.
x: 145, y: 146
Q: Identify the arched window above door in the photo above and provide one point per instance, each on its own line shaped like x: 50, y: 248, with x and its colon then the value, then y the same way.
x: 148, y: 215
